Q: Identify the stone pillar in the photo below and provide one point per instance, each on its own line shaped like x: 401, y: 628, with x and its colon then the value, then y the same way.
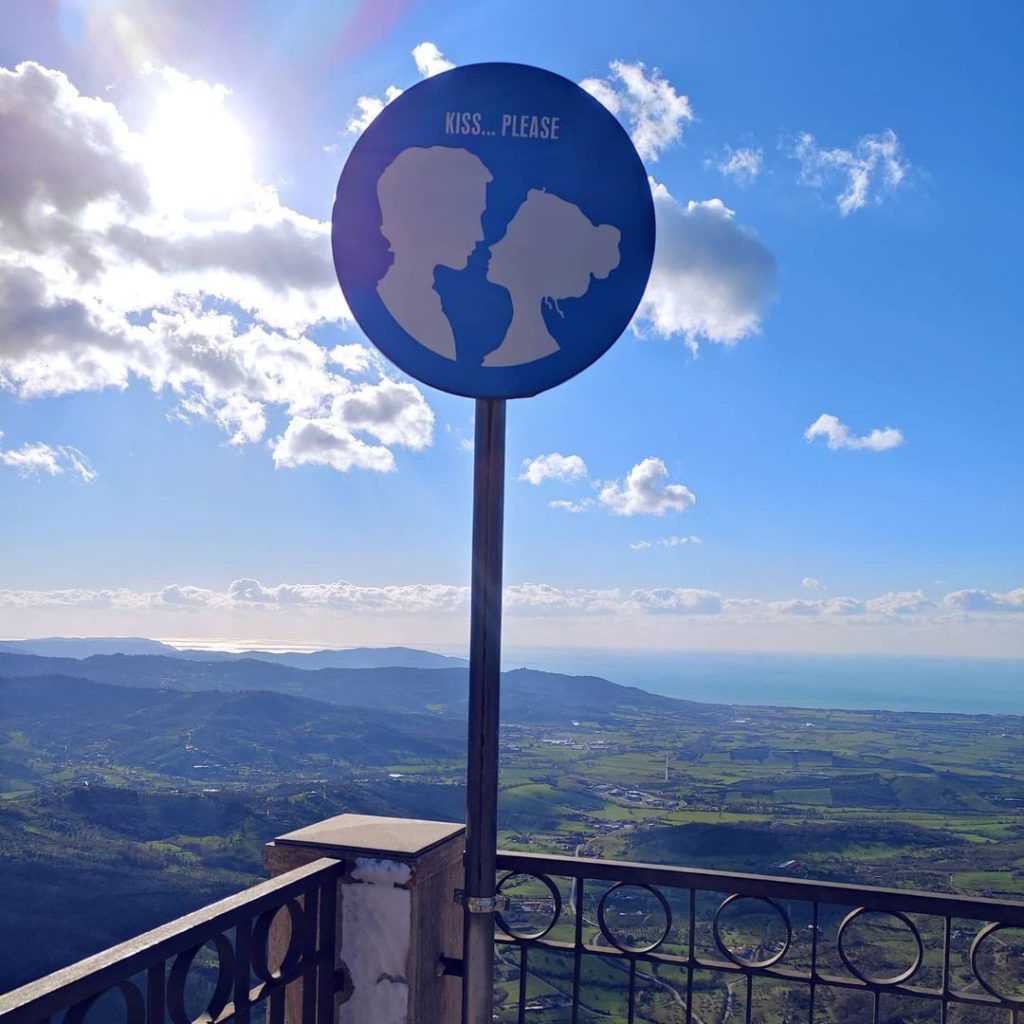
x: 396, y: 913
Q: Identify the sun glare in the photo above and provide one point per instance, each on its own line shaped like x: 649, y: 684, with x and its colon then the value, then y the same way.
x: 197, y: 154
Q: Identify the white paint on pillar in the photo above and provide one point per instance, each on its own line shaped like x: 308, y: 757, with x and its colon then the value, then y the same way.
x: 376, y: 924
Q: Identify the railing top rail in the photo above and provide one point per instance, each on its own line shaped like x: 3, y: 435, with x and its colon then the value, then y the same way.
x: 975, y: 908
x: 98, y: 972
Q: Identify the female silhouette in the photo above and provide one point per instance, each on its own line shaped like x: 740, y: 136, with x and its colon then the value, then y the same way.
x: 550, y: 251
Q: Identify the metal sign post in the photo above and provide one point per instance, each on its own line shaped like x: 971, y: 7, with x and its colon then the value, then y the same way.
x: 484, y: 694
x: 493, y: 233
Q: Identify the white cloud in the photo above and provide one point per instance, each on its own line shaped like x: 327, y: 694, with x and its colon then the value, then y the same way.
x: 567, y: 468
x: 873, y: 165
x: 903, y: 602
x: 430, y: 60
x: 188, y: 597
x: 677, y: 601
x: 896, y: 604
x: 354, y: 359
x: 743, y: 165
x: 100, y: 285
x: 34, y: 458
x: 665, y: 542
x: 31, y: 460
x: 562, y: 505
x: 796, y: 606
x: 74, y: 597
x: 77, y: 463
x: 712, y: 278
x: 368, y: 107
x: 810, y: 583
x: 644, y: 492
x: 390, y: 412
x: 648, y: 105
x: 527, y: 597
x: 985, y: 601
x: 345, y: 596
x: 843, y: 606
x: 839, y: 436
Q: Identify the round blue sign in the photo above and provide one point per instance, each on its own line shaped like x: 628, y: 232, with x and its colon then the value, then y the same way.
x: 493, y: 230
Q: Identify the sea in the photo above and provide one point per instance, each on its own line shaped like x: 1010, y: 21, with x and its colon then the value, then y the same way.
x: 970, y: 686
x: 958, y: 685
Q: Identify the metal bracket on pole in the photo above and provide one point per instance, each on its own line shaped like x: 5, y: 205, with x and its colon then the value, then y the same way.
x: 481, y: 904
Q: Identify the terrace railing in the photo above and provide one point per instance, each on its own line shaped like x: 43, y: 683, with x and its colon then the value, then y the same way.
x: 585, y: 940
x: 360, y: 925
x: 158, y: 974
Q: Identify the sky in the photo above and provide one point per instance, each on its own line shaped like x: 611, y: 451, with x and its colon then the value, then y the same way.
x: 809, y: 439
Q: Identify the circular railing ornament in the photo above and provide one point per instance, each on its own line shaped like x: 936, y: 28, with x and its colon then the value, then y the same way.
x: 896, y: 979
x: 178, y: 976
x: 732, y: 901
x: 556, y: 911
x: 134, y: 1004
x: 602, y: 917
x: 291, y: 963
x: 979, y: 940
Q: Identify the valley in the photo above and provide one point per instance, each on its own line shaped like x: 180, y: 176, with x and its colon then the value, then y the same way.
x: 137, y: 787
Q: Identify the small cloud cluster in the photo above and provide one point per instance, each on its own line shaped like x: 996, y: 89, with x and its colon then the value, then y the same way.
x: 35, y: 458
x: 643, y: 491
x: 810, y: 583
x: 895, y: 604
x: 393, y: 413
x: 368, y: 107
x: 985, y: 601
x: 874, y: 164
x: 342, y: 596
x: 743, y: 165
x: 712, y: 277
x: 648, y: 105
x: 677, y: 601
x: 566, y: 505
x: 525, y: 598
x: 568, y: 468
x: 664, y: 542
x: 75, y: 597
x: 429, y: 61
x: 838, y: 435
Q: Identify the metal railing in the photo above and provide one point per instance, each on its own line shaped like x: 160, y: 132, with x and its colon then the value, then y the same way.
x: 592, y: 940
x: 580, y: 941
x: 157, y: 974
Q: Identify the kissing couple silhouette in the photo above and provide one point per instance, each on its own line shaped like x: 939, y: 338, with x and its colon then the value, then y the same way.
x: 432, y: 200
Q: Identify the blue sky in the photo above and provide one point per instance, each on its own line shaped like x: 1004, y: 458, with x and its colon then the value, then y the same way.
x: 170, y: 322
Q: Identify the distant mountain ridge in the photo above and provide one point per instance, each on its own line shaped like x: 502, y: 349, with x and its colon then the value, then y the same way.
x: 84, y: 647
x: 352, y: 657
x: 527, y: 695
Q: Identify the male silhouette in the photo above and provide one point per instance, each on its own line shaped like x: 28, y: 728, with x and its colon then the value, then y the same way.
x: 550, y: 250
x: 431, y: 200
